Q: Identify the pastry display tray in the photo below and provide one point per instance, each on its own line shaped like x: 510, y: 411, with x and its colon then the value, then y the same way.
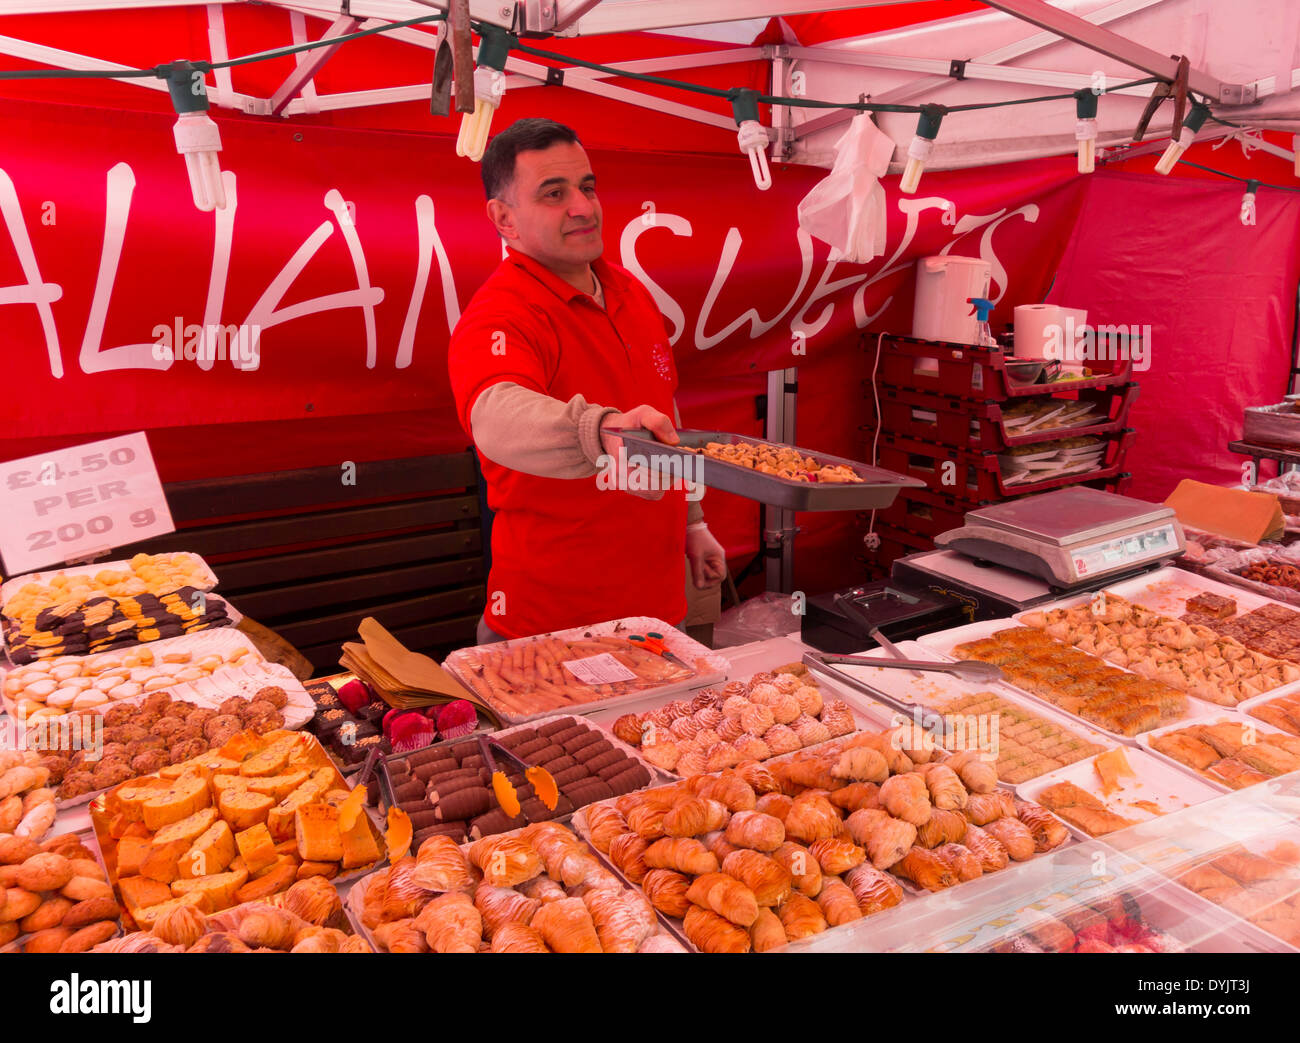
x: 877, y: 489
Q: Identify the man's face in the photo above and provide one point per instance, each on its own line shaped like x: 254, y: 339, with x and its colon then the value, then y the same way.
x: 550, y: 212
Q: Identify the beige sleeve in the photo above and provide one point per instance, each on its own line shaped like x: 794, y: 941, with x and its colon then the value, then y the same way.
x: 536, y: 434
x: 694, y: 512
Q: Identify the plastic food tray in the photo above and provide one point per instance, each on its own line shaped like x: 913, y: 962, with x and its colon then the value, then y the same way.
x: 100, y: 826
x: 1166, y: 591
x: 353, y: 904
x: 932, y: 690
x: 232, y: 614
x: 213, y: 641
x: 865, y: 714
x: 12, y: 585
x: 877, y: 488
x: 657, y: 776
x: 245, y: 682
x: 946, y: 640
x: 1156, y: 781
x: 710, y: 667
x: 1249, y: 706
x: 88, y: 840
x: 1219, y: 716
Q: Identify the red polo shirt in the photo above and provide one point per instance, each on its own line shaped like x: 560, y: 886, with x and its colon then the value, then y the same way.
x: 566, y: 553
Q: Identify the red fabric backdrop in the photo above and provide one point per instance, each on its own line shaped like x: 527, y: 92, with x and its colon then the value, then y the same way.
x: 736, y: 281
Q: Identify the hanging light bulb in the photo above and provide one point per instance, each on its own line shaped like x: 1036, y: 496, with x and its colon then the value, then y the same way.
x: 1248, y: 203
x: 752, y: 136
x: 1085, y: 129
x: 197, y: 137
x: 1194, y: 121
x: 927, y: 129
x: 489, y: 87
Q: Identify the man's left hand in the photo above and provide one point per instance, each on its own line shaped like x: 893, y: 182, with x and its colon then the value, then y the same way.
x: 708, y: 559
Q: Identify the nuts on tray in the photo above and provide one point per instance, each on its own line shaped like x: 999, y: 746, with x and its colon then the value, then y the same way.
x: 782, y: 461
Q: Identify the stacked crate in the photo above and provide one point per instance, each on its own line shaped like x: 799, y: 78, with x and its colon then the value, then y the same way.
x: 942, y: 419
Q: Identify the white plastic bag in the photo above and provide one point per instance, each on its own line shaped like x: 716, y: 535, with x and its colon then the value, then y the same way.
x: 846, y: 209
x: 766, y: 616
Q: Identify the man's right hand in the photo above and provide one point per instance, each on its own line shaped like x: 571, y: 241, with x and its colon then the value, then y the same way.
x: 657, y: 423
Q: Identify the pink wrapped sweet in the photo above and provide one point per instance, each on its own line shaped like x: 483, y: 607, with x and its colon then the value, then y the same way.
x: 456, y: 718
x: 356, y: 694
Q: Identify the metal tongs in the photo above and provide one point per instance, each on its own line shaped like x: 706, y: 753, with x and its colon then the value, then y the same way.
x: 543, y: 784
x: 964, y: 670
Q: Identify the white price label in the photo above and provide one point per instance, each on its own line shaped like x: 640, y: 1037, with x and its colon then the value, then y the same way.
x: 599, y: 669
x: 75, y: 503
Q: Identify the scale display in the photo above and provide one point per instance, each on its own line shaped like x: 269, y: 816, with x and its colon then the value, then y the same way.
x: 1125, y: 551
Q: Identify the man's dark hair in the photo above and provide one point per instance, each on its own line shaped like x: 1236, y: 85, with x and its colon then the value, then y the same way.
x: 526, y: 135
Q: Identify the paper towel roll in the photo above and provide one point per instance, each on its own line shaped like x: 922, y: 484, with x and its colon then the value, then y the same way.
x: 1033, y: 341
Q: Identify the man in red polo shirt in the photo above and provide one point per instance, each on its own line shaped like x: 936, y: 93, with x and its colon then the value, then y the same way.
x: 557, y: 347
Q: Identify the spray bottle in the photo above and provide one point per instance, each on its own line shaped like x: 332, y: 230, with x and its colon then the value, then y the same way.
x: 983, y: 335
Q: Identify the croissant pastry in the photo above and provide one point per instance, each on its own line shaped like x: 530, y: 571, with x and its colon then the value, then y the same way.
x: 543, y: 888
x: 265, y: 927
x: 503, y: 860
x: 1013, y: 835
x: 566, y: 858
x: 499, y: 906
x: 440, y: 865
x: 684, y: 854
x: 314, y: 899
x: 813, y: 773
x: 709, y: 932
x: 946, y: 790
x: 374, y: 891
x: 667, y: 891
x: 873, y: 889
x: 992, y: 855
x: 836, y: 856
x: 976, y: 774
x: 944, y: 827
x: 647, y: 821
x: 566, y: 926
x: 886, y: 839
x: 623, y: 918
x: 726, y: 896
x: 451, y: 923
x: 718, y: 843
x: 775, y: 804
x: 626, y: 853
x: 401, y: 936
x: 766, y: 932
x: 695, y: 816
x: 907, y: 797
x: 403, y: 897
x: 754, y: 829
x: 811, y: 817
x: 961, y: 860
x: 925, y: 869
x: 805, y: 872
x: 180, y: 925
x: 889, y: 745
x: 318, y: 939
x: 769, y: 880
x: 1048, y: 831
x: 837, y: 902
x: 604, y: 823
x: 861, y: 764
x: 517, y: 937
x: 855, y: 796
x: 757, y: 777
x: 801, y: 917
x: 731, y: 790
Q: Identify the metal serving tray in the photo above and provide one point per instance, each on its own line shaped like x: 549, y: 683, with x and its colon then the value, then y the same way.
x: 877, y: 489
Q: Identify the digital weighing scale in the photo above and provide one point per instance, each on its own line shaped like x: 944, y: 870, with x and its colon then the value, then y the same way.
x: 1007, y: 558
x: 1070, y: 537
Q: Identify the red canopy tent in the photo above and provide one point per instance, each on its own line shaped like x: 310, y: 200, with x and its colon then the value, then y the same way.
x: 357, y: 235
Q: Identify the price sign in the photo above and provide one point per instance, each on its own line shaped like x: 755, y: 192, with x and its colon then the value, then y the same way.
x: 80, y: 502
